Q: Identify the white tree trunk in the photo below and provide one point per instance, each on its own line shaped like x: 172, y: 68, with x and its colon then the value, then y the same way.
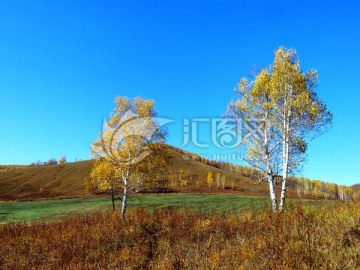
x: 270, y: 175
x: 285, y: 162
x: 124, y: 200
x: 283, y: 192
x: 272, y: 192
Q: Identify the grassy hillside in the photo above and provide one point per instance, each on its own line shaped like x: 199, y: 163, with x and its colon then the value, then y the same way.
x: 10, y: 168
x: 67, y: 180
x: 196, y: 180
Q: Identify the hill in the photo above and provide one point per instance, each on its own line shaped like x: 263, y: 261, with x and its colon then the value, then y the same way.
x: 49, y: 181
x: 185, y: 175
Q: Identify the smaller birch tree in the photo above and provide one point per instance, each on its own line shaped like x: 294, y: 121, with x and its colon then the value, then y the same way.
x: 210, y: 178
x: 223, y: 181
x: 133, y: 142
x: 218, y: 178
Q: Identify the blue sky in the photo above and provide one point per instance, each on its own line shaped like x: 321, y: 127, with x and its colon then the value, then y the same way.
x: 62, y: 63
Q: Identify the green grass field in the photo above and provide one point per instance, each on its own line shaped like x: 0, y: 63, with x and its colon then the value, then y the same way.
x: 51, y: 210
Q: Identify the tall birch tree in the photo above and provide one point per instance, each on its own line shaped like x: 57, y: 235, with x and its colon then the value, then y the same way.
x: 303, y: 115
x: 254, y: 107
x: 282, y: 113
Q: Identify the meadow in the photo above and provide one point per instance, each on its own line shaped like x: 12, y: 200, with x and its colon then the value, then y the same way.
x: 52, y: 210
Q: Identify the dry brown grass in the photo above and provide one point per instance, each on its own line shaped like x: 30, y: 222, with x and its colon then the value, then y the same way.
x: 299, y: 238
x: 67, y: 180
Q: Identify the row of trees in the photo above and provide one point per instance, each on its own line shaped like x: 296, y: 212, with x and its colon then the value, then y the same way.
x: 303, y: 186
x: 217, y: 179
x: 317, y: 188
x: 51, y: 161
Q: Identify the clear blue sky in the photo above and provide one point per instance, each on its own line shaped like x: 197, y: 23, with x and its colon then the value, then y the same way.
x: 62, y: 63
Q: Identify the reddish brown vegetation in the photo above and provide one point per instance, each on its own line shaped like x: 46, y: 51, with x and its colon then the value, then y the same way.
x: 300, y: 238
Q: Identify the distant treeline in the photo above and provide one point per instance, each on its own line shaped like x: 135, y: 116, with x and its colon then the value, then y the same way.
x: 303, y: 186
x: 51, y: 161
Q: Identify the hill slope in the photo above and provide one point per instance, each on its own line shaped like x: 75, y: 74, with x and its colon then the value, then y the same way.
x: 67, y: 180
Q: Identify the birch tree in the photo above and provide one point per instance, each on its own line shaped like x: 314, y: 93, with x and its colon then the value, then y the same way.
x: 133, y: 142
x: 254, y: 107
x: 283, y: 113
x: 223, y: 181
x: 218, y: 178
x: 210, y: 178
x: 302, y: 114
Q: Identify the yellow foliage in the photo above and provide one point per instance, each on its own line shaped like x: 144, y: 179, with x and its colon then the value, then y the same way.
x: 210, y: 179
x: 183, y: 183
x: 131, y: 144
x: 104, y: 174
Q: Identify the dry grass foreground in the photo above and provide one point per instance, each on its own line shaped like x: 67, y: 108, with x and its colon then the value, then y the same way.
x: 300, y: 238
